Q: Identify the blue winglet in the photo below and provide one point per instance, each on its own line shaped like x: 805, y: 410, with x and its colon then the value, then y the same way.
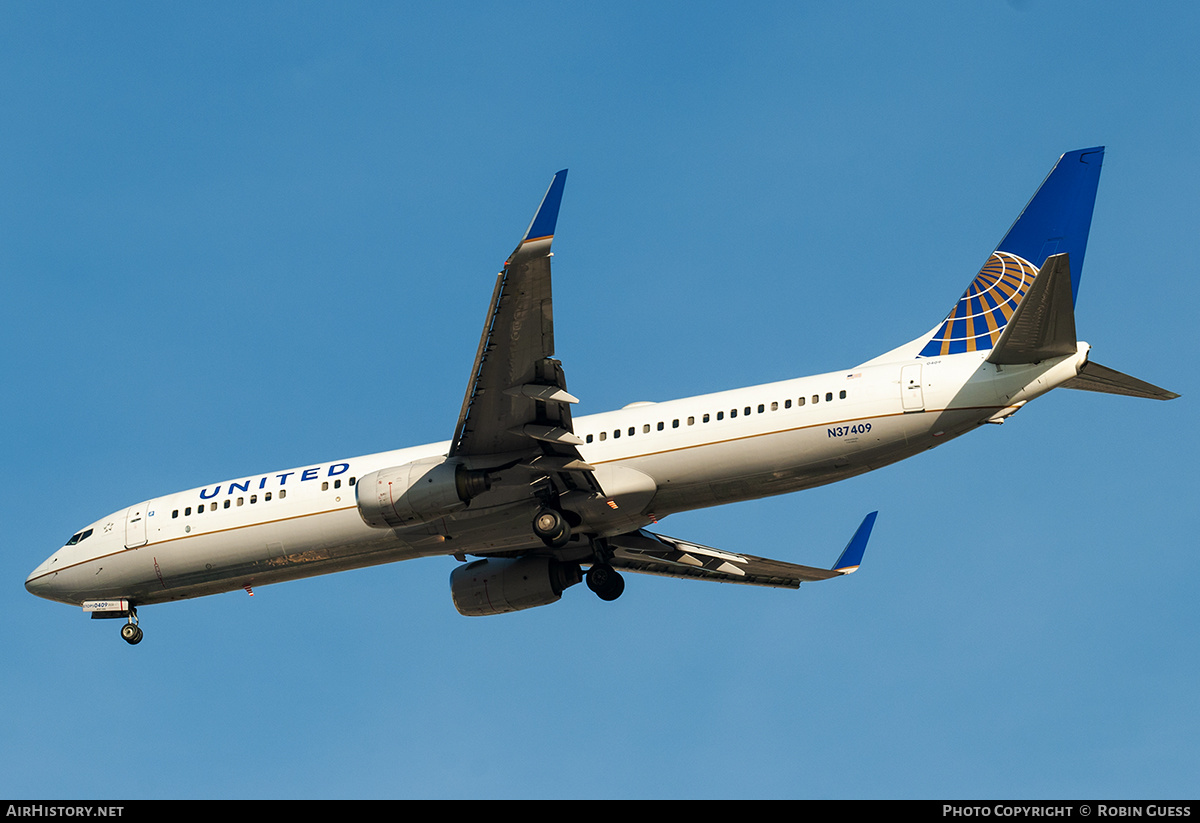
x: 547, y: 214
x: 853, y: 553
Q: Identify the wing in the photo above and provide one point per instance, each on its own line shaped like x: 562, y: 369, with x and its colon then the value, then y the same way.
x: 517, y: 407
x: 648, y: 553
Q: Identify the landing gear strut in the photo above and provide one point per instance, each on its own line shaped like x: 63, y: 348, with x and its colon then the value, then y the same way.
x: 605, y: 581
x: 130, y: 632
x: 552, y: 528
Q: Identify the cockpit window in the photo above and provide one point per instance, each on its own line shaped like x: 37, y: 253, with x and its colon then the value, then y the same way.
x: 75, y: 538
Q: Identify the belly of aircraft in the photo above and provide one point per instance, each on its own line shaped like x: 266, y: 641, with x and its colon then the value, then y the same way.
x: 792, y: 461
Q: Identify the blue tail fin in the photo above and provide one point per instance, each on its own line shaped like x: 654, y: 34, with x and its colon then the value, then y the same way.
x: 1055, y: 221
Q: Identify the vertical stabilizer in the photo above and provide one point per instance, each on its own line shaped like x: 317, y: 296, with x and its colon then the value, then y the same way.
x: 1055, y: 221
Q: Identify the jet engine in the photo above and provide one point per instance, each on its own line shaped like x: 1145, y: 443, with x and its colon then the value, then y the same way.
x: 416, y: 492
x: 496, y: 585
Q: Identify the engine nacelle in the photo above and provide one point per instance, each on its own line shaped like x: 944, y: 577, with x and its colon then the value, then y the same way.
x: 416, y: 492
x: 496, y: 585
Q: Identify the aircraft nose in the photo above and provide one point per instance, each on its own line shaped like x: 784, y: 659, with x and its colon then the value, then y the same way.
x: 41, y: 581
x: 35, y: 583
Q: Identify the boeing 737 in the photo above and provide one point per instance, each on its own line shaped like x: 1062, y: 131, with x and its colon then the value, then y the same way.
x: 535, y: 496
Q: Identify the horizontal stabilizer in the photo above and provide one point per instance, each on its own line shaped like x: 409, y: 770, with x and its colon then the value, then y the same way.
x: 1094, y: 377
x: 1043, y: 324
x: 648, y: 553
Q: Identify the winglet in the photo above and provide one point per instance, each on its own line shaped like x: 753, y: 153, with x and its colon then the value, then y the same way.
x: 853, y: 553
x: 542, y: 225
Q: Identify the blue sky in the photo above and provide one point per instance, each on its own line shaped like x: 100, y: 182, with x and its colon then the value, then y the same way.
x: 236, y: 239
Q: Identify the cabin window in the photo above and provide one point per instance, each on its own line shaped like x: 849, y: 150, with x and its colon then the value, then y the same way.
x: 816, y: 398
x: 761, y: 408
x: 800, y: 401
x: 787, y: 404
x: 351, y: 481
x: 282, y: 493
x: 675, y: 423
x: 691, y: 421
x: 589, y: 438
x: 174, y: 514
x: 646, y: 429
x: 842, y: 394
x: 616, y: 433
x: 266, y: 497
x: 631, y: 430
x: 774, y: 405
x: 241, y: 500
x: 660, y: 425
x: 828, y: 396
x: 187, y: 512
x: 337, y: 484
x: 603, y: 436
x: 325, y: 486
x: 253, y: 499
x: 226, y: 504
x: 733, y: 412
x: 720, y: 415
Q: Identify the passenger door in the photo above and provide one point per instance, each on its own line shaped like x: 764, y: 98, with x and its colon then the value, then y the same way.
x: 135, y: 525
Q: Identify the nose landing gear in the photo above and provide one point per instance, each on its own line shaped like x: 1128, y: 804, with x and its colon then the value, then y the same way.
x: 130, y: 632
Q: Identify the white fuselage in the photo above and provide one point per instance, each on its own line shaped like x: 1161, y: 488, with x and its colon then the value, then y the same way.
x: 651, y: 459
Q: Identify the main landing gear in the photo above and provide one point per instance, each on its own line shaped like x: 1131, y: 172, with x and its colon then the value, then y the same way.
x: 552, y: 528
x: 605, y: 581
x: 130, y: 632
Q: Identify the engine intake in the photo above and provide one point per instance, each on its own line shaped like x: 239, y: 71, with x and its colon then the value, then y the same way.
x: 416, y: 492
x: 496, y: 585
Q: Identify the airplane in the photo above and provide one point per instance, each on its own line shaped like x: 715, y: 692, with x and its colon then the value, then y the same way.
x: 532, y: 496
